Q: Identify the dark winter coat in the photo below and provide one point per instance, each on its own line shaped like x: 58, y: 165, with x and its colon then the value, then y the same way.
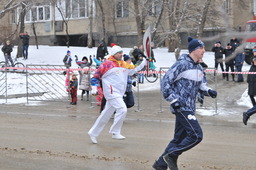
x: 251, y: 80
x: 25, y: 39
x: 218, y: 53
x: 228, y: 52
x: 73, y: 83
x: 136, y: 54
x: 102, y: 51
x: 7, y: 49
x: 67, y: 63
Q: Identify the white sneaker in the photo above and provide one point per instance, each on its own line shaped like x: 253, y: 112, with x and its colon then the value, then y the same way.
x: 118, y: 136
x: 93, y: 139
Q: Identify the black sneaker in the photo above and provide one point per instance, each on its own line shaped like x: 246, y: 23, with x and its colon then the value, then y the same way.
x: 158, y: 167
x: 171, y: 162
x: 245, y: 118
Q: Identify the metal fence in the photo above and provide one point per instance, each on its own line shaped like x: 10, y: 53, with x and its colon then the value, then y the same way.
x: 46, y: 83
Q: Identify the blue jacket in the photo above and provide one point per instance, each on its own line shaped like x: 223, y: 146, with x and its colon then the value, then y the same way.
x: 239, y: 59
x: 129, y: 84
x: 182, y: 83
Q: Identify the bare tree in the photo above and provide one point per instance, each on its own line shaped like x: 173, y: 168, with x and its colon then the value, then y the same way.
x: 65, y: 18
x: 158, y: 19
x: 102, y: 15
x: 11, y: 5
x: 202, y: 19
x: 141, y: 11
x: 177, y: 10
x: 22, y: 27
x: 90, y: 42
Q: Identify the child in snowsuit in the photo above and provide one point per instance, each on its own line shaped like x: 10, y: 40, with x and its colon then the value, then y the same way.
x: 73, y: 89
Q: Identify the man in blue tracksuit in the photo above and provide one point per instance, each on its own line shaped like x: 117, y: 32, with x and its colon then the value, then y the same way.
x: 180, y: 86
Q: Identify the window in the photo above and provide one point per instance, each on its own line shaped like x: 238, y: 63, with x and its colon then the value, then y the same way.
x: 78, y: 8
x: 47, y: 13
x: 40, y: 13
x: 155, y: 8
x: 227, y: 6
x: 122, y: 9
x: 13, y: 15
x: 34, y: 14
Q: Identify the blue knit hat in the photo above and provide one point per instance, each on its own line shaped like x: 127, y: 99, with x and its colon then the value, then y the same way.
x: 68, y: 51
x: 126, y: 57
x: 194, y: 44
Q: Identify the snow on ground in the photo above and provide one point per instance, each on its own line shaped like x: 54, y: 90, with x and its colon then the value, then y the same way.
x: 53, y: 55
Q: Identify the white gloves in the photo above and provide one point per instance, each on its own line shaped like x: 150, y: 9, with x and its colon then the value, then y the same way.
x: 94, y: 91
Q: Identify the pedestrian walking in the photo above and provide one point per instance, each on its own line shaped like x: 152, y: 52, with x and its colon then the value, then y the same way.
x: 7, y: 49
x: 180, y: 86
x: 25, y: 44
x: 113, y: 73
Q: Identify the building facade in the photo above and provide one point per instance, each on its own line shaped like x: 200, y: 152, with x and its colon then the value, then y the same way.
x: 50, y: 21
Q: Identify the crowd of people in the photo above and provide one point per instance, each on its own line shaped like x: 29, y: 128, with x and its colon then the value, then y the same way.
x: 233, y: 59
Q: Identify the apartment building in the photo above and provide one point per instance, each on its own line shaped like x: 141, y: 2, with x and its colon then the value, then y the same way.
x: 51, y: 21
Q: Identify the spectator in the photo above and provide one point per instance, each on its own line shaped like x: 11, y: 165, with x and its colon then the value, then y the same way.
x: 73, y: 89
x: 67, y: 59
x: 84, y: 80
x: 234, y: 43
x: 128, y: 95
x: 229, y: 62
x: 7, y: 49
x: 25, y: 43
x: 102, y: 50
x: 218, y: 53
x: 152, y: 58
x: 137, y: 52
x: 239, y: 61
x: 141, y: 74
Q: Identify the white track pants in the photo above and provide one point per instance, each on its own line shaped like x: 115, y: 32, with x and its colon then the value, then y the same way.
x: 112, y: 105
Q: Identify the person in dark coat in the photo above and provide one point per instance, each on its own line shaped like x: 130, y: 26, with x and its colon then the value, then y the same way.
x: 239, y: 61
x: 251, y: 80
x: 137, y: 53
x: 102, y: 50
x: 7, y: 49
x: 234, y: 42
x: 229, y: 62
x: 25, y: 43
x: 218, y: 53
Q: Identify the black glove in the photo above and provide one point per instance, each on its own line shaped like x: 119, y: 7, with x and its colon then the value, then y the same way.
x: 76, y: 57
x: 134, y: 83
x: 175, y: 105
x: 212, y: 93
